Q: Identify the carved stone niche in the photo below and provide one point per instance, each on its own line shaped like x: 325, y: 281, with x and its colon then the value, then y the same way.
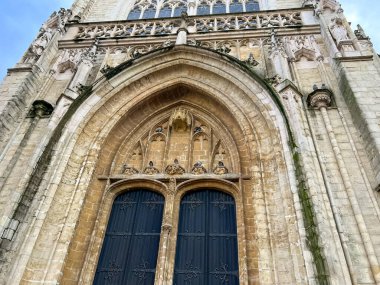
x: 320, y: 98
x: 180, y: 120
x: 302, y: 46
x: 40, y: 109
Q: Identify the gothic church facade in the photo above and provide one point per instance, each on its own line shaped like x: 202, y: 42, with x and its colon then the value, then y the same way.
x: 192, y: 142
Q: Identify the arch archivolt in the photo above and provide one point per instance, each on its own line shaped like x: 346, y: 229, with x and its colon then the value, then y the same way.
x: 119, y: 121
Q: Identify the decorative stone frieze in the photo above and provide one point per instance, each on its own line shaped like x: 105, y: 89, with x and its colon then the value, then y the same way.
x: 198, y: 24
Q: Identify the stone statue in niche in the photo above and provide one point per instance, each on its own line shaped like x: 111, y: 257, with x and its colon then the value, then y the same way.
x: 69, y: 61
x: 127, y: 170
x: 150, y: 169
x: 198, y: 169
x: 180, y: 120
x: 40, y: 43
x: 220, y: 169
x: 338, y: 30
x: 175, y: 168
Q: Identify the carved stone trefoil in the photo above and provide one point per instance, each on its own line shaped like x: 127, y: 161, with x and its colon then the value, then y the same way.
x: 175, y: 168
x: 220, y: 169
x: 150, y: 169
x: 198, y: 169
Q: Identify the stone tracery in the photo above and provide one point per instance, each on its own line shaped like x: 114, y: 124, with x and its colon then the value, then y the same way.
x: 182, y: 143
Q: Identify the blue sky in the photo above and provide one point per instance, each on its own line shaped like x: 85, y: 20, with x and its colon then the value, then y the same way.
x: 20, y: 21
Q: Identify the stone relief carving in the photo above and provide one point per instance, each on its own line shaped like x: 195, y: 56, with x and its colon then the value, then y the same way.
x: 302, y: 46
x: 360, y: 34
x: 128, y: 170
x: 198, y: 169
x: 220, y: 169
x: 56, y: 23
x: 180, y: 120
x: 175, y: 168
x: 333, y: 5
x: 251, y: 60
x: 150, y: 169
x: 178, y: 144
x: 172, y: 186
x: 338, y: 30
x: 68, y: 60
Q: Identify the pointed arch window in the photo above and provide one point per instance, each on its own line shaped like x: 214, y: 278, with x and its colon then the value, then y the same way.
x: 207, y: 252
x: 130, y: 248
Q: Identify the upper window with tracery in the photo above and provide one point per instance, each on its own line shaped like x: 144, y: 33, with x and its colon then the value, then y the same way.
x: 148, y: 9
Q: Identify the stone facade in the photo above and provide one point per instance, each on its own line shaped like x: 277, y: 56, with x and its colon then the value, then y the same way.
x: 280, y: 108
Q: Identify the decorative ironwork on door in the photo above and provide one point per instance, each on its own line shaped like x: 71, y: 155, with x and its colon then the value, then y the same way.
x: 130, y: 248
x: 207, y: 252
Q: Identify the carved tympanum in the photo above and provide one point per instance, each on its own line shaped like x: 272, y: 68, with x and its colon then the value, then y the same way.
x: 177, y: 144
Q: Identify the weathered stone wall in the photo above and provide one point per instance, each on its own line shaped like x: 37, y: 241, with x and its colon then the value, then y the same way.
x: 294, y: 107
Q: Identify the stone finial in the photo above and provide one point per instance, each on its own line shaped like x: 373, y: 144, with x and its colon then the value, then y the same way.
x: 320, y: 97
x: 360, y: 34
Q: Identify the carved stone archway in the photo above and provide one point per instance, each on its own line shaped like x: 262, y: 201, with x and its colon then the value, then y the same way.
x: 124, y: 110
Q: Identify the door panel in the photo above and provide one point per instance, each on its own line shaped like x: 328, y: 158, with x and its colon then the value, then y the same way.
x: 130, y: 248
x: 207, y: 251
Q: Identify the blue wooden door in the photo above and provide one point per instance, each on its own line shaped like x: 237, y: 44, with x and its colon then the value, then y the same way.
x: 207, y: 252
x: 130, y: 248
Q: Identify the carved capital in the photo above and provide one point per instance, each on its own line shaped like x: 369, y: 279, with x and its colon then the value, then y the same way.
x: 320, y: 98
x: 166, y: 228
